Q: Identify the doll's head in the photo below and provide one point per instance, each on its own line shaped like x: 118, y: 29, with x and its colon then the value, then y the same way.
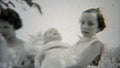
x: 51, y: 34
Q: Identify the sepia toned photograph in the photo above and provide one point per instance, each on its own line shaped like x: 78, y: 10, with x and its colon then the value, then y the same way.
x: 59, y: 34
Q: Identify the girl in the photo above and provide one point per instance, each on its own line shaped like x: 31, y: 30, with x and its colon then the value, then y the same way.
x: 92, y: 22
x: 10, y: 22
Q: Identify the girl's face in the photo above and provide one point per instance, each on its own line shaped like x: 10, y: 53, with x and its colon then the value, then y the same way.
x: 89, y: 24
x: 6, y: 30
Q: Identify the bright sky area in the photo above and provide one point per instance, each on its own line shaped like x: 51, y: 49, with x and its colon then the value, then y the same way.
x: 65, y: 15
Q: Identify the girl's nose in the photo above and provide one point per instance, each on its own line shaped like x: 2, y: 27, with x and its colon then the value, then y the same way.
x: 85, y: 26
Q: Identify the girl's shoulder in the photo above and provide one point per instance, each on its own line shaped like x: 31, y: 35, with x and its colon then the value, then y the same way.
x: 101, y: 48
x: 101, y: 44
x: 96, y: 42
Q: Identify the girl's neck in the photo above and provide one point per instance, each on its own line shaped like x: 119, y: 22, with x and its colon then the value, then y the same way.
x: 88, y: 37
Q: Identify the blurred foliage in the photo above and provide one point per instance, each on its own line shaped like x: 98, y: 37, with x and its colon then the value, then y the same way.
x: 30, y: 3
x: 110, y: 58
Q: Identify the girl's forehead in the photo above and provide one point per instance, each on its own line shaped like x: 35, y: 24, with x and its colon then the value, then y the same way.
x: 89, y: 16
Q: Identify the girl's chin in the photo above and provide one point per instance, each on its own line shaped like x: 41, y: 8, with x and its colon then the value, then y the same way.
x: 87, y: 36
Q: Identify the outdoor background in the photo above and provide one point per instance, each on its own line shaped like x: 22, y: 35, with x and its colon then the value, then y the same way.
x: 65, y: 15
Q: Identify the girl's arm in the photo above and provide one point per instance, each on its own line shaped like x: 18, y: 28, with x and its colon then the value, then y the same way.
x: 90, y: 53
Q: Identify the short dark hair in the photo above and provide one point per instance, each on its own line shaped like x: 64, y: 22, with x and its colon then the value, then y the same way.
x: 12, y: 17
x: 100, y: 18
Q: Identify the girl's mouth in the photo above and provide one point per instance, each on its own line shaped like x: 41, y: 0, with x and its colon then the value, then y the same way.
x: 86, y: 32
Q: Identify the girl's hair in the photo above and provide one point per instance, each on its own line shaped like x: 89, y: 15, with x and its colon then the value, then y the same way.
x: 100, y: 18
x: 12, y: 17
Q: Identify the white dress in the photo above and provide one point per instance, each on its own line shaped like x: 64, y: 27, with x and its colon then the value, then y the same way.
x: 77, y: 56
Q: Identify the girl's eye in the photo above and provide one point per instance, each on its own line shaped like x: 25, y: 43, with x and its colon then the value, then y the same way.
x: 90, y: 23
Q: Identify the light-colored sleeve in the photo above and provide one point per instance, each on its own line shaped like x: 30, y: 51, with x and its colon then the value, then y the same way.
x: 5, y: 56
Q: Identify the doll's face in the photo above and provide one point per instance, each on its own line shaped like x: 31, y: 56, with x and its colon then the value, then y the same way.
x: 6, y: 30
x: 52, y: 35
x: 89, y: 24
